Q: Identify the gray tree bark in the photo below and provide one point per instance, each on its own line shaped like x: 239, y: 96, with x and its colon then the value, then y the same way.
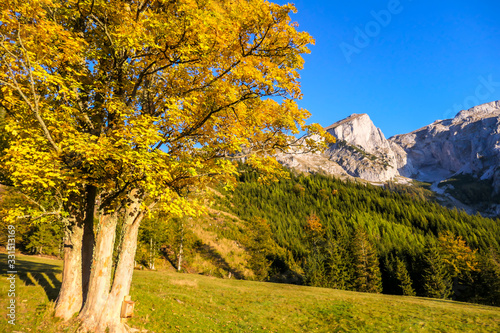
x: 110, y: 314
x: 70, y: 297
x: 100, y: 276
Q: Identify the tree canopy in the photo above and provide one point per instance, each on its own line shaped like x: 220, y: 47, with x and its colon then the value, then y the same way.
x: 115, y: 93
x: 113, y: 107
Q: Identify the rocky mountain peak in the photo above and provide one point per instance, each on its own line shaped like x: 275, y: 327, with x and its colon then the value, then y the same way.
x: 362, y: 149
x: 466, y: 147
x: 359, y: 130
x: 351, y: 118
x: 482, y: 111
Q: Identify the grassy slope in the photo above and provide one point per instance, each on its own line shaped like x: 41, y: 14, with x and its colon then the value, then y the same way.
x: 220, y: 253
x: 171, y: 302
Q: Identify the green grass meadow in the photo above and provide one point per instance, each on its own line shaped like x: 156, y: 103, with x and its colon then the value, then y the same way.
x: 176, y: 302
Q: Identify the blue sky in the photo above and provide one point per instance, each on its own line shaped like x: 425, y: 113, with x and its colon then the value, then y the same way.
x: 405, y: 63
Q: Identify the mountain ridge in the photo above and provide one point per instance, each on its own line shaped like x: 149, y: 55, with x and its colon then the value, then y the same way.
x: 468, y: 144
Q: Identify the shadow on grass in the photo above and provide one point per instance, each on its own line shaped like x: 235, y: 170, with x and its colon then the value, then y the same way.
x: 210, y: 253
x: 32, y: 273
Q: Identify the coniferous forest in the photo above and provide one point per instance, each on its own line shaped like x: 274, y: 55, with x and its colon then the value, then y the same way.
x: 321, y: 231
x: 332, y: 233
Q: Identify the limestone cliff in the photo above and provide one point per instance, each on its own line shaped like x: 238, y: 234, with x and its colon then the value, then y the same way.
x: 466, y: 148
x: 466, y: 144
x: 362, y: 149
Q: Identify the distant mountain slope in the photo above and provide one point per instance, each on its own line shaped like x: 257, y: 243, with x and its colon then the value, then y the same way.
x: 455, y: 154
x: 317, y: 221
x: 468, y: 144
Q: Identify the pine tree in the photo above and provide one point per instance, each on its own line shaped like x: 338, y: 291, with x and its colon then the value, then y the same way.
x: 404, y: 278
x: 489, y: 281
x: 260, y: 247
x: 367, y: 271
x: 315, y: 272
x: 437, y: 280
x: 337, y: 266
x: 45, y: 238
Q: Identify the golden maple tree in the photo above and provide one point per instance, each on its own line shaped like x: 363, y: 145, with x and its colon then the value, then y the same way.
x: 115, y: 107
x: 458, y: 257
x: 313, y: 226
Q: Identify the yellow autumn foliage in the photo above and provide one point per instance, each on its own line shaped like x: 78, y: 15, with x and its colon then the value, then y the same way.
x: 158, y: 95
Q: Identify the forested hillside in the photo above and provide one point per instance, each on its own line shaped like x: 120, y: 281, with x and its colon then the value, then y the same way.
x: 353, y: 236
x: 320, y: 231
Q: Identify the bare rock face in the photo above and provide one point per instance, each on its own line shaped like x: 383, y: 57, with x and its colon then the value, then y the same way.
x: 302, y: 160
x: 359, y: 130
x: 466, y: 144
x: 362, y: 149
x: 311, y: 163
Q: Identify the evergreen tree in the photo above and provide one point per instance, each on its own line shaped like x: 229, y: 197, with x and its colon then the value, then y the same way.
x: 366, y: 265
x: 261, y: 246
x: 314, y: 269
x: 489, y: 279
x: 45, y: 239
x: 315, y: 272
x: 437, y: 280
x: 404, y: 278
x: 337, y: 266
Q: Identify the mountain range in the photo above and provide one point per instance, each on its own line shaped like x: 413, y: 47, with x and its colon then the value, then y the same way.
x: 458, y: 159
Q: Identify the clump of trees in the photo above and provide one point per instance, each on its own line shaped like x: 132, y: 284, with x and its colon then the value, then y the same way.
x: 352, y: 236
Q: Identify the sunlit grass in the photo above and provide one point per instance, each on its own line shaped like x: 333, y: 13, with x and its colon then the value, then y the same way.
x: 203, y: 304
x: 174, y: 302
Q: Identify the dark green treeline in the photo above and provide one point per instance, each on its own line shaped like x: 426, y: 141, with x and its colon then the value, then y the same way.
x: 352, y: 236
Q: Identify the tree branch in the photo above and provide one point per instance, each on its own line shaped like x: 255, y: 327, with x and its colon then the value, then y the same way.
x: 34, y: 107
x: 31, y: 218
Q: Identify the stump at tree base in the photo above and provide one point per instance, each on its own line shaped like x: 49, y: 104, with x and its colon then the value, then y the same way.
x: 127, y: 308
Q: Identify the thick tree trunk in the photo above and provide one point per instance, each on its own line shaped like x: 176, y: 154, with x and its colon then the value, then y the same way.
x: 70, y: 296
x: 100, y: 276
x: 78, y: 242
x: 110, y: 315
